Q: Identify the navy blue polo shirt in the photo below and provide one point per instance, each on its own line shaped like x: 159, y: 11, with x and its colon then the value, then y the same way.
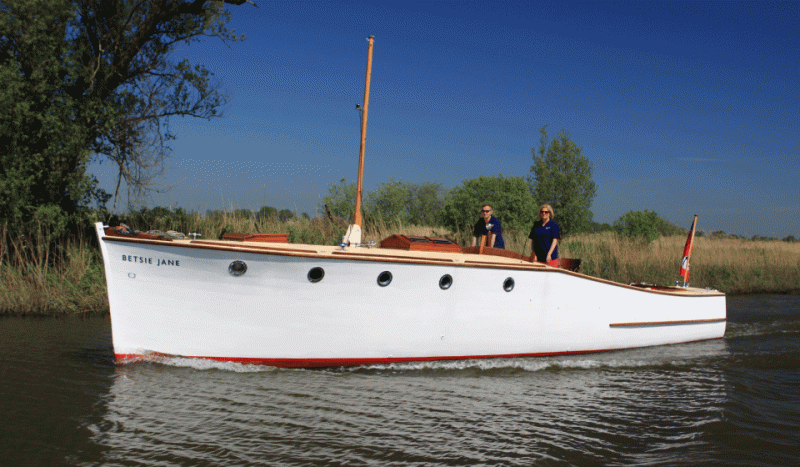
x: 543, y: 237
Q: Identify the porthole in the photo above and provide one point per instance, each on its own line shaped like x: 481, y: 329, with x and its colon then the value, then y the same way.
x: 384, y: 278
x: 316, y: 274
x: 445, y: 282
x: 237, y: 268
x: 508, y: 284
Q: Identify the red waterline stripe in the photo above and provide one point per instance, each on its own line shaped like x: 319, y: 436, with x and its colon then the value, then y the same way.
x: 340, y: 362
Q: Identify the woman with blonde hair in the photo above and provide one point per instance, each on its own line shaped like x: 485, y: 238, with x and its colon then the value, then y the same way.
x: 544, y: 237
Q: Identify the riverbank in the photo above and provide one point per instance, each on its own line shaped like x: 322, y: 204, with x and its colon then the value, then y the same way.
x: 74, y: 283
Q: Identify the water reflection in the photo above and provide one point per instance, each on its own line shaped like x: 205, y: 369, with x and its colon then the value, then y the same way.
x: 609, y: 407
x: 56, y: 374
x: 729, y: 401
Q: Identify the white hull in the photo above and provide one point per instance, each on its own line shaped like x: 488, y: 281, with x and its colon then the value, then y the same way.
x: 273, y: 314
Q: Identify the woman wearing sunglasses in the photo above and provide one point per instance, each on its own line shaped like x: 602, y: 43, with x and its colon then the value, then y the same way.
x: 544, y: 237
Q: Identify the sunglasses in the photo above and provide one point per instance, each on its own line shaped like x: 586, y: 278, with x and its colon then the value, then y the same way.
x: 544, y: 212
x: 486, y: 210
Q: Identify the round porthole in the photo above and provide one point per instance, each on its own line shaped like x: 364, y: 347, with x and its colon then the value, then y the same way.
x: 237, y: 268
x: 508, y: 284
x: 384, y: 278
x: 445, y: 282
x: 316, y: 274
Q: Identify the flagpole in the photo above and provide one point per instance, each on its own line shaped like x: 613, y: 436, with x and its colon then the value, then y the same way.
x: 687, y: 253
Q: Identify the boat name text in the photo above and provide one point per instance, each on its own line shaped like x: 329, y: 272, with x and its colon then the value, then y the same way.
x: 156, y: 261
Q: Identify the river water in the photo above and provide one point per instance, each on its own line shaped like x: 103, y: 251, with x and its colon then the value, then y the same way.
x: 733, y: 401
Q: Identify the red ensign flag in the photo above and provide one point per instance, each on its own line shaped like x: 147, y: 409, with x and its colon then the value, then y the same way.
x: 687, y: 252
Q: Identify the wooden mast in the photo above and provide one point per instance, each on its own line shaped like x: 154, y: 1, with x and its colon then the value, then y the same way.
x: 353, y: 235
x: 360, y: 183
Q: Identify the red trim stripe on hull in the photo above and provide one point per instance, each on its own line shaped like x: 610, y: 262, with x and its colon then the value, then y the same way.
x: 342, y: 362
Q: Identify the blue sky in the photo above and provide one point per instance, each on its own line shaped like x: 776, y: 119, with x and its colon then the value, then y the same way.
x: 683, y: 108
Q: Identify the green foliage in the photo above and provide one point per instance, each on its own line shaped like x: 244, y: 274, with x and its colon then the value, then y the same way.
x: 596, y: 227
x: 393, y: 201
x: 720, y: 234
x: 285, y: 214
x: 509, y: 197
x: 159, y: 218
x: 389, y: 202
x: 266, y: 213
x: 640, y: 225
x: 242, y: 213
x: 341, y: 199
x: 43, y: 151
x: 407, y: 203
x: 83, y: 79
x: 426, y: 203
x: 315, y: 232
x: 762, y: 238
x: 561, y: 176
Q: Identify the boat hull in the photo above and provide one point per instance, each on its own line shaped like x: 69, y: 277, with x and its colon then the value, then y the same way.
x: 181, y: 299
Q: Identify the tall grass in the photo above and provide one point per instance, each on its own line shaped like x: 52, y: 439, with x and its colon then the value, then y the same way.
x: 37, y: 280
x: 735, y: 266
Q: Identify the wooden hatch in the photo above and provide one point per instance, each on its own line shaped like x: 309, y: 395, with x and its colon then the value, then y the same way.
x: 418, y: 243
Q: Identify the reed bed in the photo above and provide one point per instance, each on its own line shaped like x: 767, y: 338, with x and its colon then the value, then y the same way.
x: 35, y: 280
x: 735, y: 266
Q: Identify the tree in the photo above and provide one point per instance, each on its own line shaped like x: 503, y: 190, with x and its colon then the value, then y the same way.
x: 639, y: 225
x: 285, y: 214
x: 426, y: 203
x: 561, y: 176
x: 595, y: 227
x: 409, y: 203
x: 509, y: 197
x: 392, y: 201
x: 389, y: 202
x: 266, y: 213
x: 341, y: 199
x: 93, y: 78
x: 243, y: 214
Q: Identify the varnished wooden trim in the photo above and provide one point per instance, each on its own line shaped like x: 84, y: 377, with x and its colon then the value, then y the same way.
x: 526, y: 267
x: 252, y: 247
x: 204, y: 244
x: 404, y: 258
x: 485, y: 250
x: 669, y: 323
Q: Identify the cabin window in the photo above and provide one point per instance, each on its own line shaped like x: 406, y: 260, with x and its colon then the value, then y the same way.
x: 316, y: 274
x: 508, y: 284
x: 445, y: 282
x: 384, y: 278
x: 237, y: 268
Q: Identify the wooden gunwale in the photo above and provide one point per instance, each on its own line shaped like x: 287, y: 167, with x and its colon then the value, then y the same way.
x: 368, y: 255
x: 255, y: 247
x: 296, y: 252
